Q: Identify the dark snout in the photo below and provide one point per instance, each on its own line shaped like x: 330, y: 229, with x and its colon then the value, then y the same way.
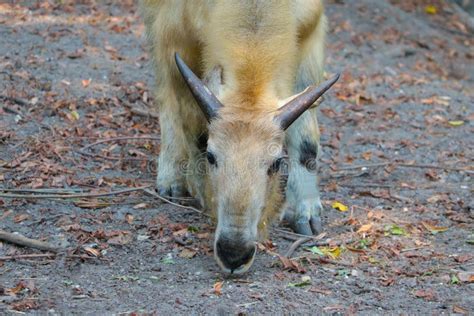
x: 234, y: 254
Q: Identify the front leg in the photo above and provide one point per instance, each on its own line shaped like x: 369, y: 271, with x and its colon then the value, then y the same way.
x: 303, y: 201
x: 172, y: 161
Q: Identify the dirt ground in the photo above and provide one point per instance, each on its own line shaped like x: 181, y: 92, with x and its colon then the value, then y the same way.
x: 398, y: 153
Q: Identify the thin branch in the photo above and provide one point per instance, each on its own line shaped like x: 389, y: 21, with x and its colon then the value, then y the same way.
x: 154, y: 194
x: 335, y: 262
x: 12, y: 111
x: 365, y: 185
x: 406, y: 165
x: 293, y: 236
x: 16, y: 100
x: 114, y: 139
x: 295, y: 246
x: 319, y: 243
x: 427, y: 166
x: 71, y: 196
x: 42, y: 255
x: 21, y: 240
x: 111, y: 158
x: 42, y: 191
x: 369, y: 165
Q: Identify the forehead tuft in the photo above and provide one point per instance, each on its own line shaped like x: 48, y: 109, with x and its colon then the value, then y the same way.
x: 245, y: 129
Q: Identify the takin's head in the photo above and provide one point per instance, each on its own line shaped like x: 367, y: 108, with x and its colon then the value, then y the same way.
x: 244, y: 153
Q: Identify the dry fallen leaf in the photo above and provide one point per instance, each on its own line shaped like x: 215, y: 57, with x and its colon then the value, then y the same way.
x: 140, y: 206
x: 121, y: 240
x: 339, y: 206
x: 20, y: 218
x: 129, y: 218
x: 187, y: 253
x: 466, y: 277
x: 91, y: 203
x: 86, y: 83
x: 291, y: 265
x: 92, y: 251
x: 460, y: 310
x: 367, y: 155
x: 332, y: 252
x: 456, y: 123
x: 365, y: 228
x: 431, y: 9
x: 434, y: 229
x: 25, y: 305
x: 427, y: 295
x: 217, y: 289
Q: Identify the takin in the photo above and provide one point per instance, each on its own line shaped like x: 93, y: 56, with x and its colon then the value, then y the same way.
x: 234, y: 92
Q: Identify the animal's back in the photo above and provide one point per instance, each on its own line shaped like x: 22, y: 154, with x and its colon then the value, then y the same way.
x: 260, y: 42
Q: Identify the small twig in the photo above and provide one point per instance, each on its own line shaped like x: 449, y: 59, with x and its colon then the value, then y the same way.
x: 410, y: 249
x: 111, y: 158
x: 294, y: 236
x: 42, y: 255
x: 365, y: 185
x: 426, y: 166
x: 16, y: 100
x: 406, y: 165
x: 369, y: 165
x: 21, y: 240
x: 42, y: 191
x: 399, y: 197
x: 12, y: 111
x: 296, y: 244
x: 319, y: 243
x: 154, y: 194
x: 114, y: 139
x: 71, y: 196
x: 346, y: 175
x: 329, y: 242
x: 335, y: 262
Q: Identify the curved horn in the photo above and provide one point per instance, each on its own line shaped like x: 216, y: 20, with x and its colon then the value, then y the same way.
x: 206, y: 100
x: 288, y: 113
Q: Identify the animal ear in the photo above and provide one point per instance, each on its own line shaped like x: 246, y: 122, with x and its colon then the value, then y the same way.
x: 289, y: 112
x: 206, y: 100
x: 214, y: 80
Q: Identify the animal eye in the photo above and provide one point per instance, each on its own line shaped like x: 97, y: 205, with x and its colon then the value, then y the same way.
x: 211, y: 158
x: 275, y: 166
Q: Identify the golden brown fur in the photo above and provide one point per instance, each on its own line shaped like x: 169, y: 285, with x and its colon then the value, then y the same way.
x: 266, y: 50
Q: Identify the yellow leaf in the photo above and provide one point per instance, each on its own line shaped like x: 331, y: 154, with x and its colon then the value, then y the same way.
x: 373, y: 260
x: 333, y: 252
x: 456, y: 123
x: 434, y: 229
x: 431, y: 9
x: 339, y: 206
x: 365, y: 228
x: 75, y: 115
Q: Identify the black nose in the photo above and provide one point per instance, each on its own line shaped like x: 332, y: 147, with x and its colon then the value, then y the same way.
x: 234, y: 254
